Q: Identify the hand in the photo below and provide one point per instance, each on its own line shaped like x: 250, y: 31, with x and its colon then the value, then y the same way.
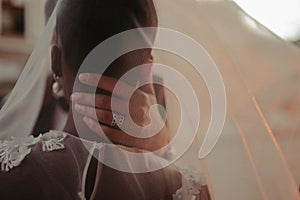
x: 97, y: 111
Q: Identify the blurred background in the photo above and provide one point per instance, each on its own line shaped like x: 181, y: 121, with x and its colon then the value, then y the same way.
x: 21, y: 23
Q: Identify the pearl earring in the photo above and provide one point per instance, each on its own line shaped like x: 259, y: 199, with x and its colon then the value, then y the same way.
x: 56, y: 87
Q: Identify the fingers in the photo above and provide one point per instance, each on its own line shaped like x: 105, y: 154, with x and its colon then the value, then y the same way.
x: 106, y: 83
x: 103, y: 116
x: 90, y: 79
x: 90, y: 100
x: 94, y: 126
x: 99, y: 101
x: 114, y: 135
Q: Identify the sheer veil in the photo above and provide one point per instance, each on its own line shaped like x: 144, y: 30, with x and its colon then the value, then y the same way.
x: 249, y: 161
x: 20, y: 112
x: 254, y: 157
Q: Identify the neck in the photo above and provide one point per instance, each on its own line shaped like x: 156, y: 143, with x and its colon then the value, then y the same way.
x: 70, y: 125
x: 76, y: 126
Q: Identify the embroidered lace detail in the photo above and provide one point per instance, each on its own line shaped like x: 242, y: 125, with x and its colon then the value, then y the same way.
x: 13, y: 151
x: 53, y: 140
x: 191, y: 185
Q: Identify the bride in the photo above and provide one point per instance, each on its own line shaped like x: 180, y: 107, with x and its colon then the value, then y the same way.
x: 59, y: 164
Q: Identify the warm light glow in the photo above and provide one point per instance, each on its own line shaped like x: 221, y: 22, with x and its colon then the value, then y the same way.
x: 280, y: 16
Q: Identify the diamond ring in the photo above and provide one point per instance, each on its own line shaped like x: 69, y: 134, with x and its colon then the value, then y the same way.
x: 117, y: 120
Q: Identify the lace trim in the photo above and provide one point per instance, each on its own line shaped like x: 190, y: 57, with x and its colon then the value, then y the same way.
x: 53, y: 140
x: 13, y: 151
x: 191, y: 185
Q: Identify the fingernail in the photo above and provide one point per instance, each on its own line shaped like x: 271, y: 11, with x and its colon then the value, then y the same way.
x: 83, y: 77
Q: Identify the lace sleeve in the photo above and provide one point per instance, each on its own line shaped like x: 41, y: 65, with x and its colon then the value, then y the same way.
x: 193, y: 186
x: 13, y: 151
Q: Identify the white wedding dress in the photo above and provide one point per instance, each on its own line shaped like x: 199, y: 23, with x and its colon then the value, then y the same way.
x: 56, y: 155
x: 55, y: 165
x: 249, y: 162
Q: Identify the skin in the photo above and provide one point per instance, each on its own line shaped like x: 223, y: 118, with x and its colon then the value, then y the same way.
x: 139, y: 105
x: 84, y: 103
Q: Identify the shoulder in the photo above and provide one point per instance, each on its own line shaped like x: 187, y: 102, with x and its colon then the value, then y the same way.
x: 45, y: 167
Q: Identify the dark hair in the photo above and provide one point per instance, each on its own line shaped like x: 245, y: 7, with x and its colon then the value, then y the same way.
x: 83, y: 24
x: 48, y: 8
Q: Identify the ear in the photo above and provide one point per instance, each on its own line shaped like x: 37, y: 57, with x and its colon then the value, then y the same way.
x: 56, y: 60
